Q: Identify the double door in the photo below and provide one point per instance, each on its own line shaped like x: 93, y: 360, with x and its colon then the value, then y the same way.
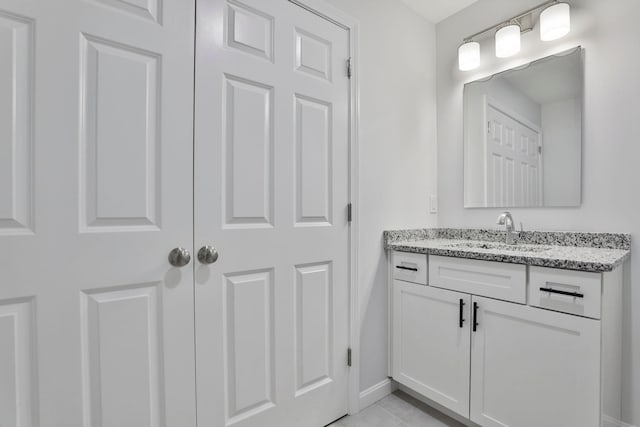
x: 98, y: 184
x: 494, y: 362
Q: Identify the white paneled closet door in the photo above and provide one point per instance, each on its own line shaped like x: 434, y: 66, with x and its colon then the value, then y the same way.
x: 271, y: 191
x: 96, y: 101
x: 513, y: 162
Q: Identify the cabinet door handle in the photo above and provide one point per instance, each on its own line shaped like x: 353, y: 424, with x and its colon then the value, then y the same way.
x: 556, y: 291
x: 475, y: 316
x: 461, y: 320
x: 402, y: 267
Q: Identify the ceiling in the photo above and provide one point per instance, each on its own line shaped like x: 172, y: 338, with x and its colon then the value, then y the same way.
x: 437, y: 10
x: 551, y: 79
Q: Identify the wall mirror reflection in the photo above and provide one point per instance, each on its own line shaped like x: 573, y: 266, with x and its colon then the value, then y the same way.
x: 523, y: 135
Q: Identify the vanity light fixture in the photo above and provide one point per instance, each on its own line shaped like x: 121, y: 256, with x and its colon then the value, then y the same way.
x: 555, y: 22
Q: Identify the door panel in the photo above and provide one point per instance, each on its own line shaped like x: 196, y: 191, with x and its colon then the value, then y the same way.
x: 313, y: 326
x: 250, y: 30
x: 271, y: 159
x: 121, y: 92
x: 533, y: 367
x: 313, y: 179
x: 122, y: 359
x: 248, y: 165
x: 99, y: 101
x: 16, y: 123
x: 17, y: 363
x: 250, y: 343
x: 313, y: 55
x: 147, y: 9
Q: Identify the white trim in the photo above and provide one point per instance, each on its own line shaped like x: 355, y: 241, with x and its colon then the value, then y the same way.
x: 376, y: 392
x: 608, y: 421
x: 354, y: 197
x: 331, y: 13
x: 327, y: 11
x: 389, y: 260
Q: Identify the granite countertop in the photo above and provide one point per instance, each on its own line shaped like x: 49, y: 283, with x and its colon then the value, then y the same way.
x: 595, y: 252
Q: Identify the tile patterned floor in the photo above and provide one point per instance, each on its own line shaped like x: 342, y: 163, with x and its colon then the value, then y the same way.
x: 398, y: 410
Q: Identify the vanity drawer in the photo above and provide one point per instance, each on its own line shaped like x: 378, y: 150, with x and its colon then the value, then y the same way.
x: 485, y: 278
x: 409, y: 267
x: 574, y: 292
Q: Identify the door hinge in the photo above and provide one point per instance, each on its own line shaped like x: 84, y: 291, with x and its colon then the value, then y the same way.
x: 539, y: 149
x: 349, y: 356
x: 349, y: 212
x: 349, y: 70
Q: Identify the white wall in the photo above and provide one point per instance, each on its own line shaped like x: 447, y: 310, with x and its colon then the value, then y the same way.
x: 611, y: 201
x: 562, y: 124
x: 397, y: 151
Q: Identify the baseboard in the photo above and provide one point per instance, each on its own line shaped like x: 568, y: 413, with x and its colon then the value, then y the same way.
x: 376, y: 392
x: 612, y: 422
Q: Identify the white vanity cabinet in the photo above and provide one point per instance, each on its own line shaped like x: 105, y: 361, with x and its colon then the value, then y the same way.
x: 496, y: 362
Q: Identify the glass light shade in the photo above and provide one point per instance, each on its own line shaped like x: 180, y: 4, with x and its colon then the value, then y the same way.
x: 555, y: 21
x: 508, y: 41
x: 469, y: 56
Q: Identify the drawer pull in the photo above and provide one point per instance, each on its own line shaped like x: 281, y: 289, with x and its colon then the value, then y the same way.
x: 556, y: 291
x: 475, y: 316
x: 461, y: 319
x: 402, y: 267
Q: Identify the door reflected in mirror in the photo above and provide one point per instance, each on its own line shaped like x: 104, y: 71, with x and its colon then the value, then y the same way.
x: 523, y: 135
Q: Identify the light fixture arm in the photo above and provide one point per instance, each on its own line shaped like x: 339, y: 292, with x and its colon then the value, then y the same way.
x: 523, y: 20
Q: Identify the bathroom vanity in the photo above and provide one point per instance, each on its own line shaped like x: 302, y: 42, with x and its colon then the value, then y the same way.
x: 523, y: 335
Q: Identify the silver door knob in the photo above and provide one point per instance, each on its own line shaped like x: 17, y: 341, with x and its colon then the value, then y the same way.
x: 179, y: 257
x: 207, y: 255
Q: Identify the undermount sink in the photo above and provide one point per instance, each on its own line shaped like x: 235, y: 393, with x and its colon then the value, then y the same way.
x: 499, y: 246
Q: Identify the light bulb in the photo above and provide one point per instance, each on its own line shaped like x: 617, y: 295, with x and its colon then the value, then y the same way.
x: 555, y: 21
x: 469, y: 56
x: 508, y: 41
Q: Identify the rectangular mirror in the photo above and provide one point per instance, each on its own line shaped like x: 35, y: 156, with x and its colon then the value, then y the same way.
x: 523, y: 135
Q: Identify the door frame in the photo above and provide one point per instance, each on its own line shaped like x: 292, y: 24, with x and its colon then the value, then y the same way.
x: 334, y: 15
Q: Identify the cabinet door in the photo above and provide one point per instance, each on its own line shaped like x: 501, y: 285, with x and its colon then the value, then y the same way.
x: 430, y: 345
x: 532, y: 367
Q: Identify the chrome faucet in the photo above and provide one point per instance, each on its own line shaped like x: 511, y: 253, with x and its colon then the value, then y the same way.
x: 506, y: 219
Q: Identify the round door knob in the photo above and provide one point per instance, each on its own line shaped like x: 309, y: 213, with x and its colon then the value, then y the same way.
x: 179, y: 257
x: 207, y: 255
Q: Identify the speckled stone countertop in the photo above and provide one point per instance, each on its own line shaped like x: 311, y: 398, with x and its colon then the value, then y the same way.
x: 595, y: 252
